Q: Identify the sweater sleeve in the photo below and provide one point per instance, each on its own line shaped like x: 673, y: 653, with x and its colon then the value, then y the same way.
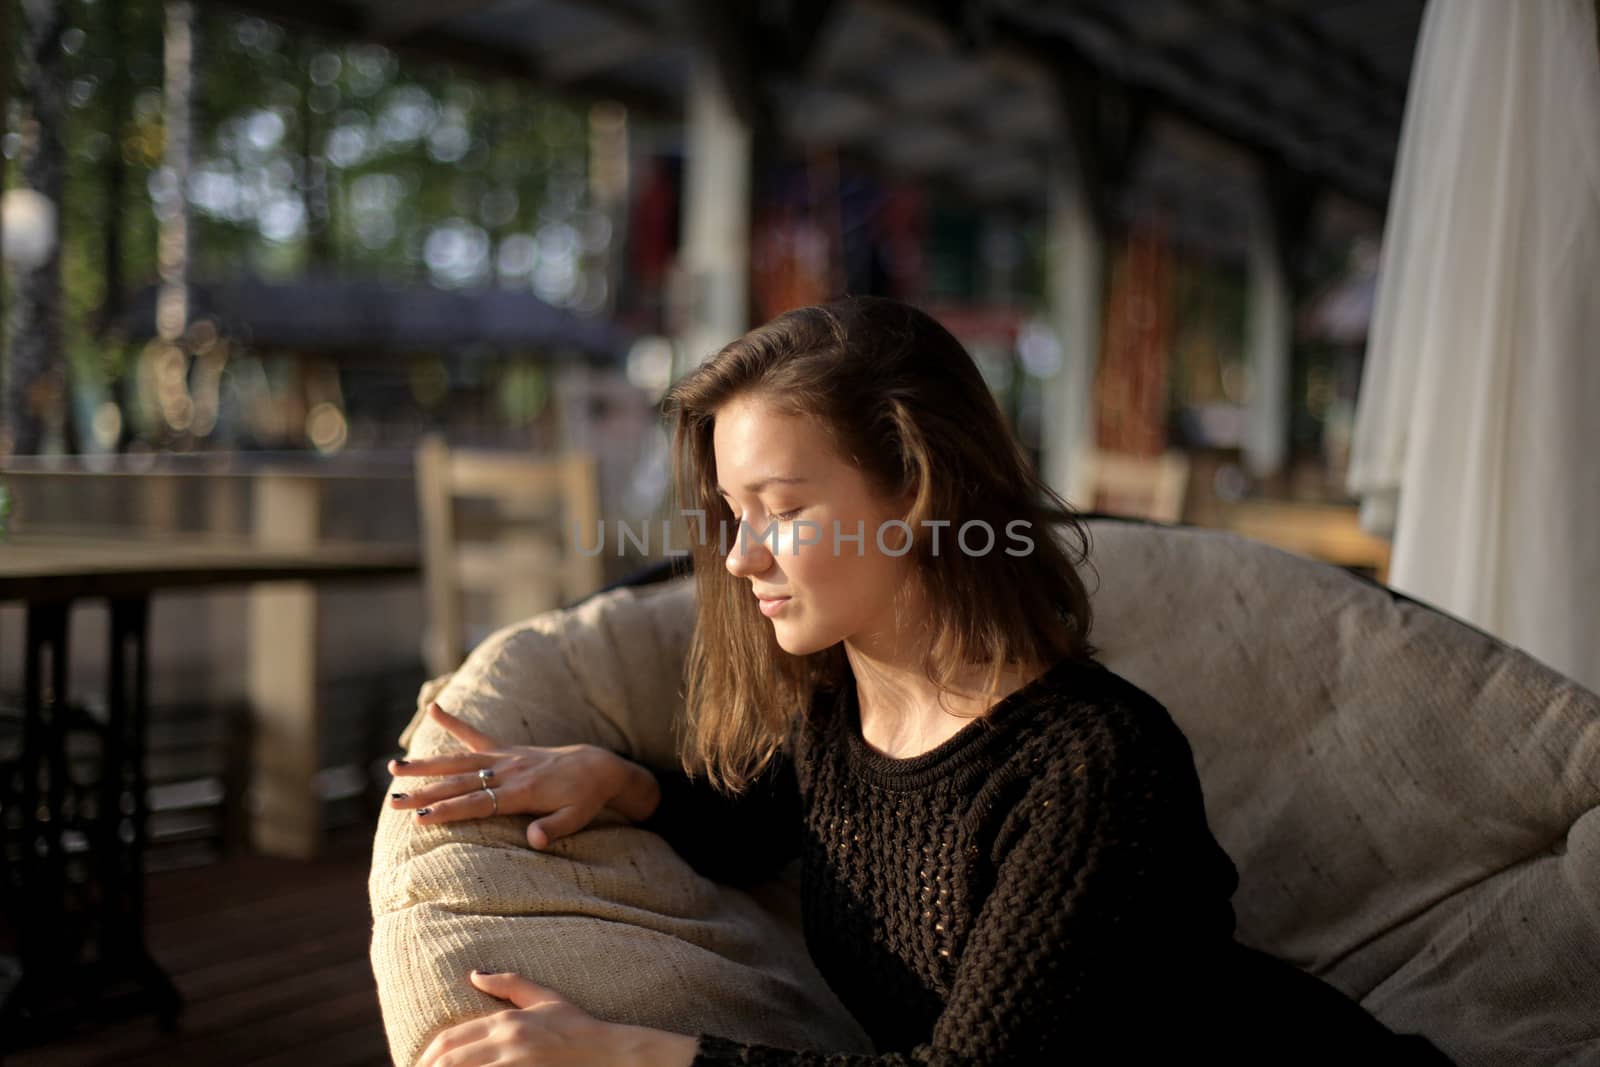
x: 742, y: 839
x: 1108, y: 890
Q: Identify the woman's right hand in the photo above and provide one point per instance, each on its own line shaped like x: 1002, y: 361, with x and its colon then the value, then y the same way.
x: 565, y: 787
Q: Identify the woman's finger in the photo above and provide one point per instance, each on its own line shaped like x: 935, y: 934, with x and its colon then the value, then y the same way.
x: 477, y: 804
x: 559, y: 823
x: 475, y: 739
x: 453, y: 1038
x: 522, y: 992
x: 439, y: 766
x: 422, y: 796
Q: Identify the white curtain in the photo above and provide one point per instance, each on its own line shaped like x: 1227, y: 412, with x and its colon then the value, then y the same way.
x: 1477, y: 437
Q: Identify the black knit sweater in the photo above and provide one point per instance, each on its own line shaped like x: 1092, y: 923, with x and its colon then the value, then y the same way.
x: 1041, y: 888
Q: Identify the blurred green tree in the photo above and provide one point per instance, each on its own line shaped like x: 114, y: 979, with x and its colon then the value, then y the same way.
x: 310, y: 156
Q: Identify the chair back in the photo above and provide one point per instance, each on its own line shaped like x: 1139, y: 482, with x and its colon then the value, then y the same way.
x: 1137, y: 487
x: 501, y: 537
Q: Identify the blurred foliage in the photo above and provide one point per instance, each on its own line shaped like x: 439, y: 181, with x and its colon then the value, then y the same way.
x: 310, y: 155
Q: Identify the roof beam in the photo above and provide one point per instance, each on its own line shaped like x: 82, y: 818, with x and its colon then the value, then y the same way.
x: 748, y: 43
x: 573, y: 62
x: 804, y: 26
x: 398, y: 19
x: 1107, y: 123
x: 1385, y: 96
x: 336, y: 16
x: 1054, y: 40
x: 1245, y: 97
x: 730, y: 35
x: 342, y: 19
x: 974, y: 135
x: 1291, y: 198
x: 1330, y: 147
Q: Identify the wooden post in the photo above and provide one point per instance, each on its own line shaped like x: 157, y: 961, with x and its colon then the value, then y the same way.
x: 1267, y: 348
x: 442, y: 642
x: 1277, y: 235
x: 1105, y: 129
x: 158, y: 503
x: 715, y: 256
x: 1074, y: 255
x: 286, y: 809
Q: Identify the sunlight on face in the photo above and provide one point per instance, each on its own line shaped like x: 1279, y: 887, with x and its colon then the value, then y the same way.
x: 788, y: 493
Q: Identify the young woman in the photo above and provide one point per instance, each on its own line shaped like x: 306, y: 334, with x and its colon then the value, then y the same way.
x: 1003, y: 845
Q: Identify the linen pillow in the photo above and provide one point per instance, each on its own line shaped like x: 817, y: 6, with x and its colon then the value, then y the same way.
x: 609, y: 917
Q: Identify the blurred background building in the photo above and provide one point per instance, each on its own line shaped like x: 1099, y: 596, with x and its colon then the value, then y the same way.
x: 258, y: 252
x: 266, y: 236
x: 253, y: 238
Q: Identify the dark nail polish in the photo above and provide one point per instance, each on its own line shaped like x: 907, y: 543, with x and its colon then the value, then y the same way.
x: 423, y: 811
x: 399, y: 796
x: 401, y: 762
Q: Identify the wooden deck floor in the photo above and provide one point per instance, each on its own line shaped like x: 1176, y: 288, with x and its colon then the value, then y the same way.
x: 271, y: 959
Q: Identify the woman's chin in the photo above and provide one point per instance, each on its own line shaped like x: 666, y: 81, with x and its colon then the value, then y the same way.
x: 795, y: 642
x: 788, y: 644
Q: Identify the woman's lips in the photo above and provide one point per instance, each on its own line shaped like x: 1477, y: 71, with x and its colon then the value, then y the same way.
x: 771, y: 607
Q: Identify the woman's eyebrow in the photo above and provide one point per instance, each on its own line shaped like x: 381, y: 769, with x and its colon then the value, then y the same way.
x: 757, y: 486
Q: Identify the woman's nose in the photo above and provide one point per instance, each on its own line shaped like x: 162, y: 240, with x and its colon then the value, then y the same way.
x: 749, y: 554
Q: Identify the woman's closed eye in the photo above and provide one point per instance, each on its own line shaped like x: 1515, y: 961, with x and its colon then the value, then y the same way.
x: 780, y: 516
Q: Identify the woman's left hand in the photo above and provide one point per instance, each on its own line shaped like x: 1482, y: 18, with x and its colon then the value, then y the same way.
x: 547, y: 1030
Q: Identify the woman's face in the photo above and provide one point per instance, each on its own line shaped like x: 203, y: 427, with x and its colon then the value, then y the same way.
x: 789, y: 493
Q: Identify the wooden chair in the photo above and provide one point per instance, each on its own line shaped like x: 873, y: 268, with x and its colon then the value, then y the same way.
x: 498, y: 541
x: 1135, y: 486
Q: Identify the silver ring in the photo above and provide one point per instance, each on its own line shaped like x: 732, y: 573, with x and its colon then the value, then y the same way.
x: 484, y: 774
x: 494, y: 799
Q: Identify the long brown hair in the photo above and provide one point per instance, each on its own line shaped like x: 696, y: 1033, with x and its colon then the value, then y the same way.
x: 901, y: 400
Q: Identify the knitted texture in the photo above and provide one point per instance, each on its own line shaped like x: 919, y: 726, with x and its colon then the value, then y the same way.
x: 1041, y: 885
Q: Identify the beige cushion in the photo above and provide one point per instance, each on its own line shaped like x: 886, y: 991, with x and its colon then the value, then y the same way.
x: 609, y: 917
x: 1412, y: 805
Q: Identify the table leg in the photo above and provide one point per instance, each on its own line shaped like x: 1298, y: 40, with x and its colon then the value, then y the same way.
x: 36, y: 847
x: 79, y: 898
x: 124, y: 812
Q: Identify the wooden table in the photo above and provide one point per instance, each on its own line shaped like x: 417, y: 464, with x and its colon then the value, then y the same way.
x: 81, y: 920
x: 37, y: 568
x: 1329, y: 532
